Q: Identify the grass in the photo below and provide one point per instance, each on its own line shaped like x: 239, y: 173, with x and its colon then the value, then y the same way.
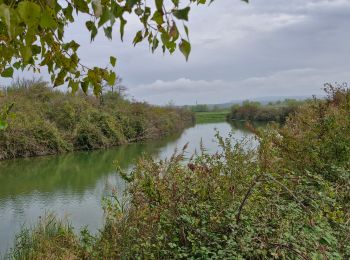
x: 211, y: 117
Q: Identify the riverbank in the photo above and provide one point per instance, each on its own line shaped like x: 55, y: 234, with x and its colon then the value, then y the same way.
x: 47, y: 122
x: 287, y: 198
x: 72, y: 185
x: 273, y: 111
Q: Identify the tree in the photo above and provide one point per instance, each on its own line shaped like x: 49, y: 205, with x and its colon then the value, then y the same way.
x: 32, y: 35
x: 117, y: 88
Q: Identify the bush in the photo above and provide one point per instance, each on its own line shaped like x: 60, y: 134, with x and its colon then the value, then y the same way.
x: 23, y: 139
x: 254, y: 111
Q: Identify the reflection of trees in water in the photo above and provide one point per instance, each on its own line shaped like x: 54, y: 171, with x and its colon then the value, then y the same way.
x: 242, y: 125
x: 75, y: 172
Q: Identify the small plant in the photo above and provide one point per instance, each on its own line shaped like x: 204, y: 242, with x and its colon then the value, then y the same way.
x: 4, y: 115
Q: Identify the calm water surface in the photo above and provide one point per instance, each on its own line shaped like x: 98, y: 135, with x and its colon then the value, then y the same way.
x: 73, y: 185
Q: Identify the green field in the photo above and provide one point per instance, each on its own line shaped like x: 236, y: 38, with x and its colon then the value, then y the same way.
x: 205, y: 117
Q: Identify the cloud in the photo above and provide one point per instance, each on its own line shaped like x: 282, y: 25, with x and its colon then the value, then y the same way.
x: 307, y: 81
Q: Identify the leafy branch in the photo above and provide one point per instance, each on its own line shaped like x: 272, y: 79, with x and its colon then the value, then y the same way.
x: 32, y: 35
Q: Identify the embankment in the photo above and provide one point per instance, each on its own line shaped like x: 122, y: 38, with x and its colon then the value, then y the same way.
x: 44, y: 121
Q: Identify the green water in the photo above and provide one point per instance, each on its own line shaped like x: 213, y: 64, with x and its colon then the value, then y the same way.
x: 73, y: 185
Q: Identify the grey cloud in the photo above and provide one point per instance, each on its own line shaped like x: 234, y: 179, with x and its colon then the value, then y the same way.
x: 307, y: 81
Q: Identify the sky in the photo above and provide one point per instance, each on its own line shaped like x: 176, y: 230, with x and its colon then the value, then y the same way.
x: 239, y: 51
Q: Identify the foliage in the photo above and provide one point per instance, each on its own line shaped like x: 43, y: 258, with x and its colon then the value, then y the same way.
x: 38, y: 244
x: 286, y: 199
x: 32, y: 35
x: 255, y: 111
x: 4, y: 114
x: 51, y: 122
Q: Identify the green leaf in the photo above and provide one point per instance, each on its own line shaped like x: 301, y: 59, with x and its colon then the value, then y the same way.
x: 90, y: 25
x: 158, y: 18
x: 130, y: 4
x: 3, y: 124
x: 97, y: 89
x: 159, y: 5
x: 5, y: 15
x: 108, y: 32
x: 47, y: 19
x: 111, y: 79
x: 138, y: 38
x: 7, y: 73
x: 74, y: 86
x: 182, y: 14
x: 36, y: 49
x: 68, y: 12
x: 16, y: 65
x: 176, y: 2
x: 165, y: 38
x: 186, y: 31
x: 174, y: 32
x: 74, y: 45
x: 106, y: 15
x: 26, y: 53
x: 155, y: 43
x: 81, y: 5
x: 30, y: 12
x: 122, y: 27
x: 112, y: 60
x: 185, y: 48
x: 60, y: 78
x: 84, y: 86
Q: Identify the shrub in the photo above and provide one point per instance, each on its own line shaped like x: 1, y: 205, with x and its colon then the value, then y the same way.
x: 23, y: 139
x: 254, y: 111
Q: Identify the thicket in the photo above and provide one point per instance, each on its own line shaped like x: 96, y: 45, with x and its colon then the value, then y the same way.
x: 289, y: 198
x: 43, y: 121
x: 255, y: 111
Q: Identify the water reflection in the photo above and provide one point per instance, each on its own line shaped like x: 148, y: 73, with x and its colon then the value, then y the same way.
x: 73, y: 185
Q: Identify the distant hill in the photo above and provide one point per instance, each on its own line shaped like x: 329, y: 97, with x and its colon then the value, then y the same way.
x: 262, y: 100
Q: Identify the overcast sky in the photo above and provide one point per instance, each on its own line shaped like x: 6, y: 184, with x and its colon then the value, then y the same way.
x: 239, y: 51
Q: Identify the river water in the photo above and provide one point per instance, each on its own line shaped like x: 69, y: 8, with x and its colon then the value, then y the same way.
x: 73, y: 185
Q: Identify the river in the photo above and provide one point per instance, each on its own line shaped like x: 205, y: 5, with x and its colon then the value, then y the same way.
x: 72, y: 185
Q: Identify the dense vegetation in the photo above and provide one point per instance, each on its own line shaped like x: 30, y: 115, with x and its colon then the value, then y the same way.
x: 289, y: 198
x: 255, y: 111
x: 43, y: 121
